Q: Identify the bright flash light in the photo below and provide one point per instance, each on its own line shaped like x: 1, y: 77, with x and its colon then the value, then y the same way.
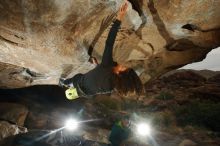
x: 143, y: 129
x: 71, y: 124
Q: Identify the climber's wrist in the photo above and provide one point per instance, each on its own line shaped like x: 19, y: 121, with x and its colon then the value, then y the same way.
x: 119, y: 17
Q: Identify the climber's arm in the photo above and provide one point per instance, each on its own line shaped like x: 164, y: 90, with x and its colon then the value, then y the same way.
x: 107, y: 58
x: 107, y: 55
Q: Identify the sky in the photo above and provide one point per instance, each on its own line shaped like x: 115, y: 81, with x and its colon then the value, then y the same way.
x: 211, y: 62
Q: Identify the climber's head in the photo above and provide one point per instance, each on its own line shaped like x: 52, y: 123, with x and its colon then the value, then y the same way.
x: 119, y: 68
x: 71, y: 94
x: 126, y: 82
x: 125, y: 121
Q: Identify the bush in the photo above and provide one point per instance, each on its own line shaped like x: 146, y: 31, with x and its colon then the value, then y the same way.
x: 205, y: 115
x: 165, y: 96
x: 163, y: 119
x: 109, y: 103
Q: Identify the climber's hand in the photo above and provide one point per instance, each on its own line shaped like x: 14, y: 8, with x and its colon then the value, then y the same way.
x: 122, y: 11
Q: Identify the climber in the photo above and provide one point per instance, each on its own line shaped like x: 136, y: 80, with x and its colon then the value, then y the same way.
x: 120, y: 131
x: 106, y: 76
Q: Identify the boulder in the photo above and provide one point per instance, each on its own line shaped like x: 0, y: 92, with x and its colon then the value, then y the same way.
x: 99, y: 135
x: 40, y: 41
x: 7, y: 129
x: 13, y: 112
x: 187, y: 142
x: 49, y: 138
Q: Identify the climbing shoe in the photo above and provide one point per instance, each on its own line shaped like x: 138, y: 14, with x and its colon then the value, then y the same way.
x: 61, y: 82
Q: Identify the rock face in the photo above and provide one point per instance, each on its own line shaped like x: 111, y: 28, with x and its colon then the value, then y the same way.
x: 42, y: 40
x: 12, y: 117
x: 7, y: 129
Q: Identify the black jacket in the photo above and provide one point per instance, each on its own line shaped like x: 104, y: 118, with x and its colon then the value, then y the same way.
x: 98, y: 80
